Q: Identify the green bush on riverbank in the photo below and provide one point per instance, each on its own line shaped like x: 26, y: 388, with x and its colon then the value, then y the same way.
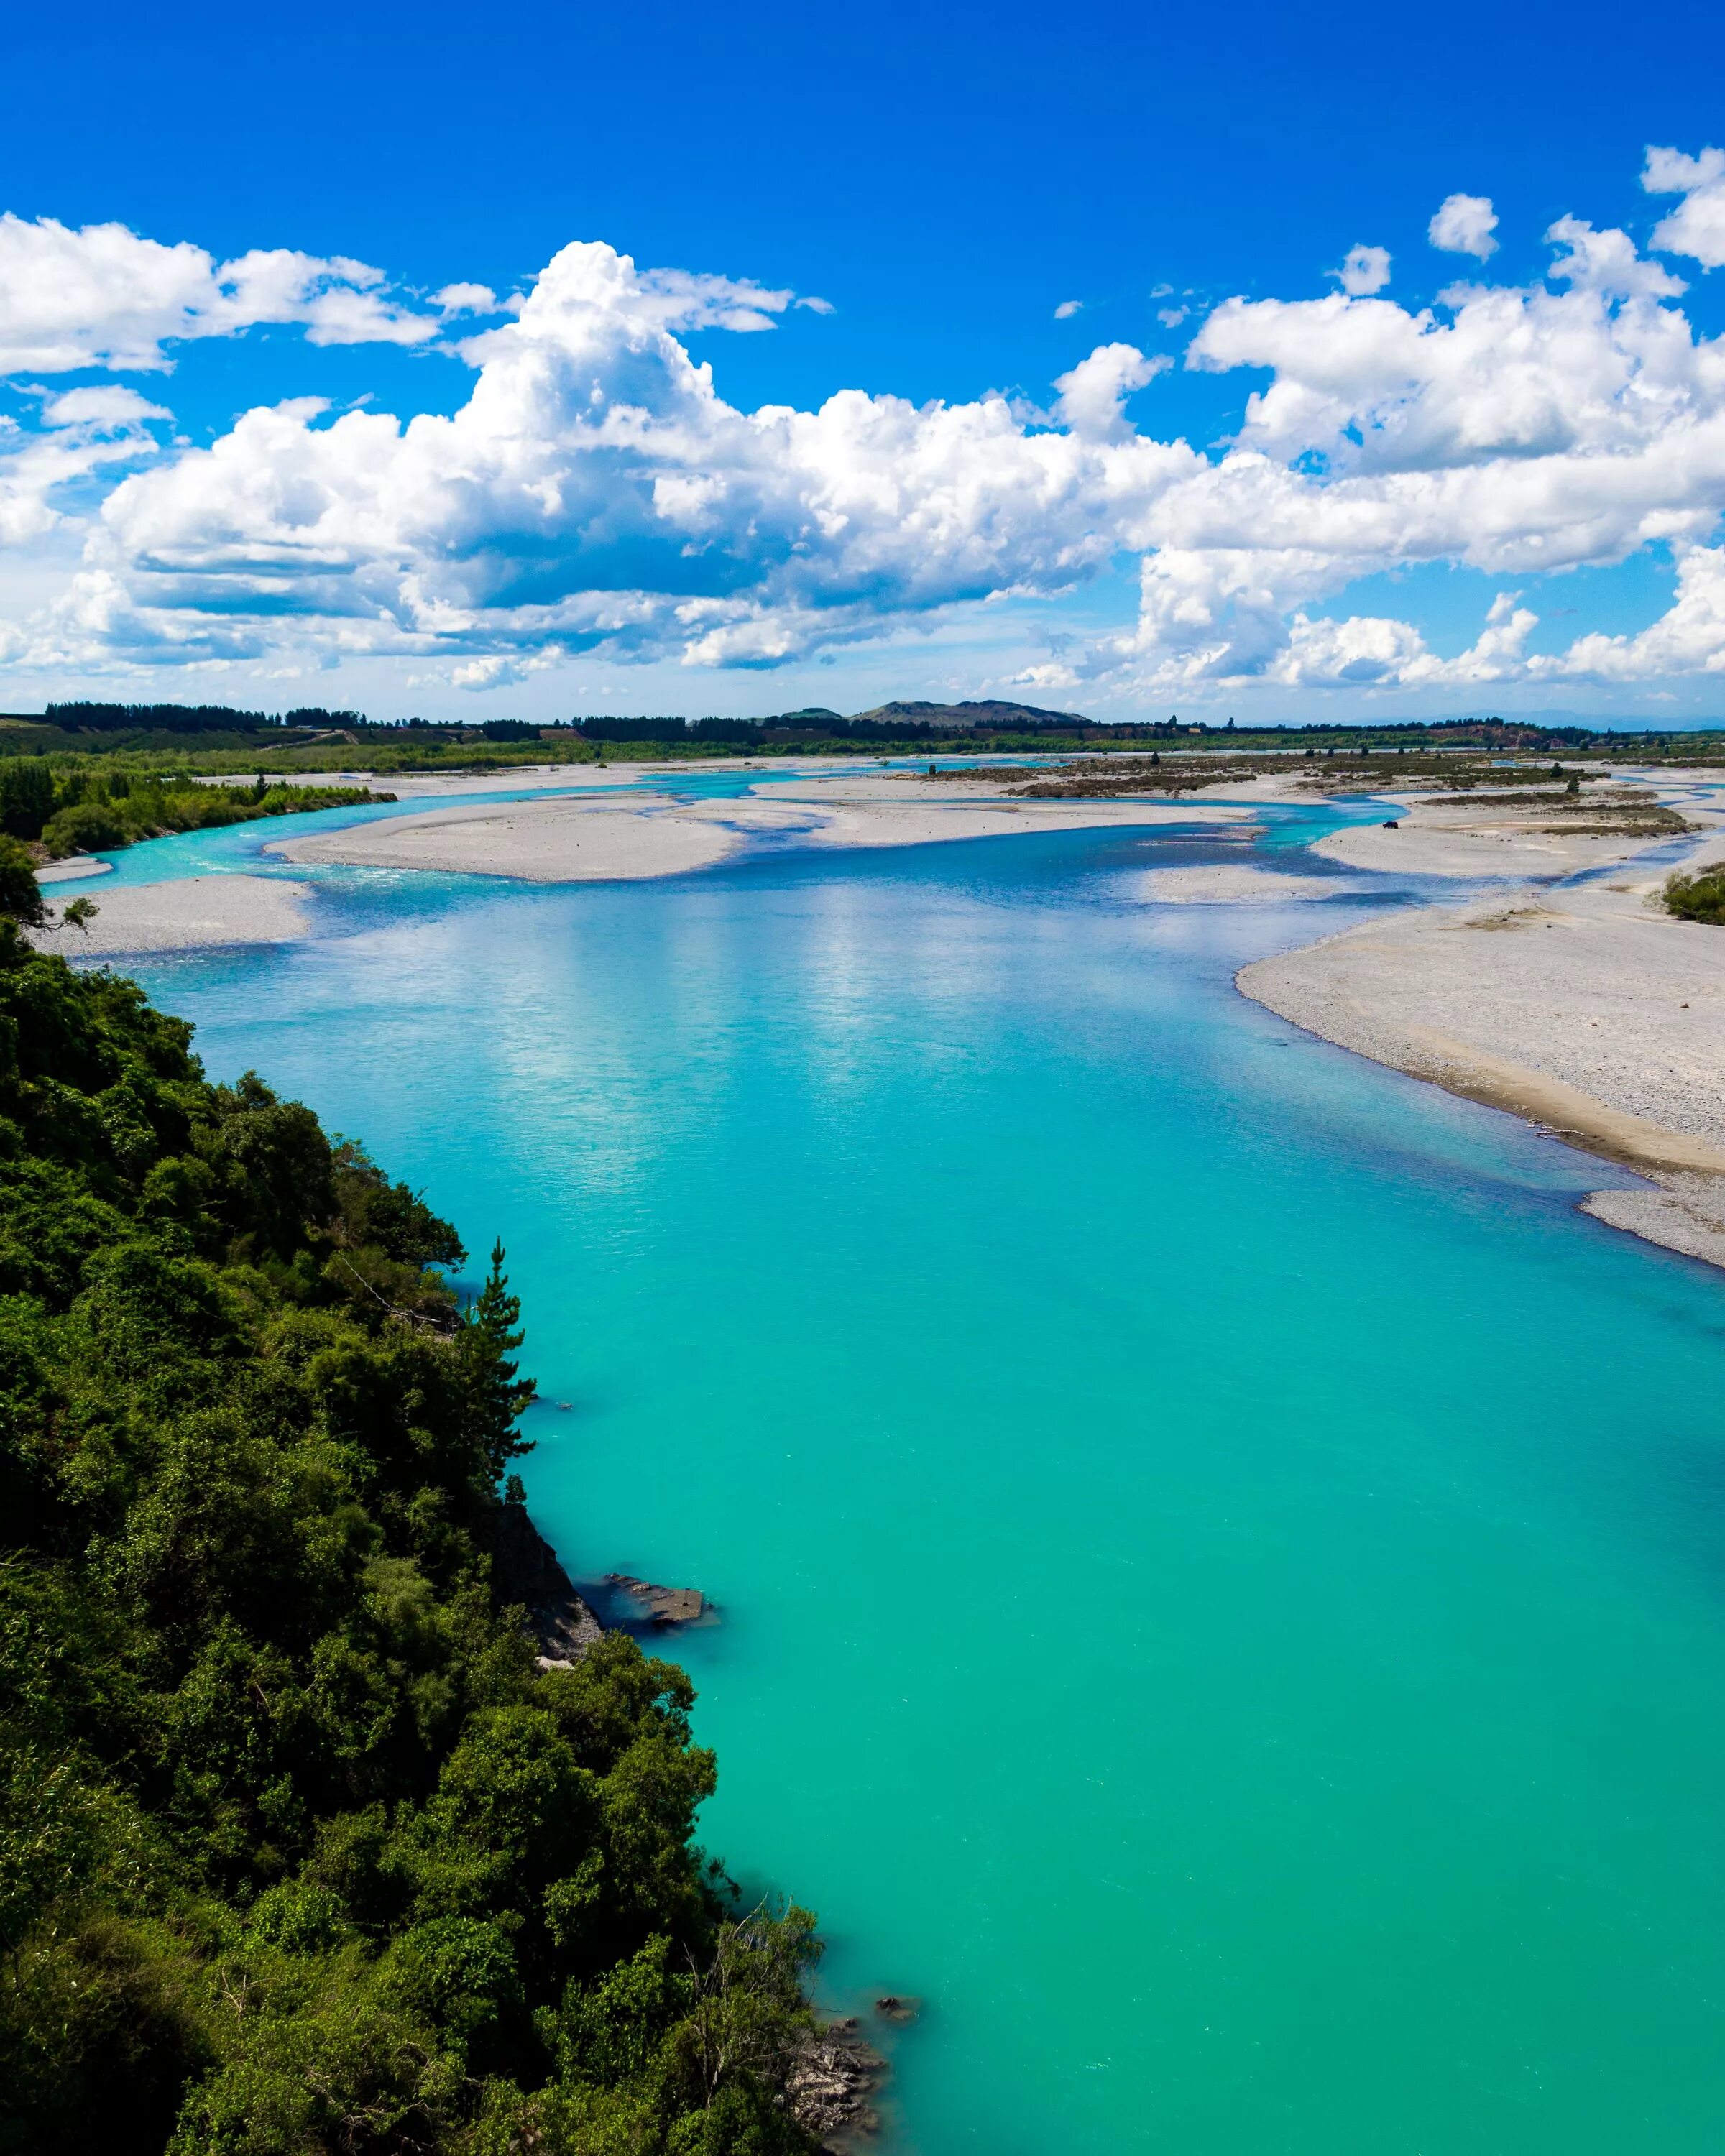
x: 1697, y: 897
x: 299, y: 1849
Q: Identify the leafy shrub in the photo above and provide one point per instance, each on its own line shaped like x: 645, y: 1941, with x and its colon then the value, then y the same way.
x: 87, y: 827
x: 1699, y: 896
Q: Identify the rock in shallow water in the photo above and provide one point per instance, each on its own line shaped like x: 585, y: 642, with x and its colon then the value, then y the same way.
x: 662, y: 1605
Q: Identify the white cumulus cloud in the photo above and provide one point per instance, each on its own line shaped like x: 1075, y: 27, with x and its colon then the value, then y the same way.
x: 82, y: 434
x: 1093, y: 392
x: 1463, y: 224
x: 596, y: 489
x: 597, y: 492
x: 1606, y: 262
x: 1366, y: 269
x: 1697, y: 226
x: 466, y: 300
x: 101, y: 296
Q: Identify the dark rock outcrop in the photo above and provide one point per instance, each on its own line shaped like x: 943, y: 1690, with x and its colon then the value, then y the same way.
x: 832, y: 2085
x: 526, y: 1571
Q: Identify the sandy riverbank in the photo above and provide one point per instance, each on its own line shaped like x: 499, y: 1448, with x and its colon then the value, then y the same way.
x: 1589, y: 1010
x: 1536, y: 831
x: 193, y: 913
x: 76, y: 868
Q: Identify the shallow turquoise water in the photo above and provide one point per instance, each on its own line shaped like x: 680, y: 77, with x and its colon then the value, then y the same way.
x: 1222, y: 1586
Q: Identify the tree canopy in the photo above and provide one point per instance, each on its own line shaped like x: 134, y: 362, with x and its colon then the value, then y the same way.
x: 299, y: 1850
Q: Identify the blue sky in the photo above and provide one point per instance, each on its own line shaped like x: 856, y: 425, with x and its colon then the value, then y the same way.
x: 943, y: 181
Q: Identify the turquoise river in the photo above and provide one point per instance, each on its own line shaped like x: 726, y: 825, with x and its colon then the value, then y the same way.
x: 1222, y: 1566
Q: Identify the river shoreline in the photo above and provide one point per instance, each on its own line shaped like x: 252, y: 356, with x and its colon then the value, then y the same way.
x: 1585, y: 1009
x: 1565, y: 997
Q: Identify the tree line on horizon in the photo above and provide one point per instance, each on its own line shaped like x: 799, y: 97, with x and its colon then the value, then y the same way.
x: 911, y: 721
x: 183, y: 718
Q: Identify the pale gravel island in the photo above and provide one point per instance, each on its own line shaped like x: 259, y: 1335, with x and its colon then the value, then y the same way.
x: 76, y: 868
x: 1224, y: 884
x: 558, y: 839
x: 570, y: 839
x: 1586, y: 1009
x: 192, y: 913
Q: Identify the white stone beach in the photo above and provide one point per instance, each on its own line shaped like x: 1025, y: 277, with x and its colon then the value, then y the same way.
x: 190, y: 913
x: 1585, y: 1006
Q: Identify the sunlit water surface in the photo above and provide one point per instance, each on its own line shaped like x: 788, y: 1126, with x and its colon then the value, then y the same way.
x: 1221, y: 1567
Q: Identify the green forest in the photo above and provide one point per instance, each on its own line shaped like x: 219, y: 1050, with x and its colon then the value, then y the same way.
x: 300, y: 1849
x: 75, y: 805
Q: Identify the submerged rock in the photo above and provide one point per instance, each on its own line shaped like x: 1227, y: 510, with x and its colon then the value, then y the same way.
x: 662, y: 1605
x: 527, y: 1572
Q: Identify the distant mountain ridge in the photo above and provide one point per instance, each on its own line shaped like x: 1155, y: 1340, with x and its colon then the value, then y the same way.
x: 987, y: 712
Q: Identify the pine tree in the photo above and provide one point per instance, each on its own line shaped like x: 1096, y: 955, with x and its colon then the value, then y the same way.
x: 492, y: 1336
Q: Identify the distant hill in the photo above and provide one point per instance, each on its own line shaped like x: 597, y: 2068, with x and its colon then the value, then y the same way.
x: 990, y: 713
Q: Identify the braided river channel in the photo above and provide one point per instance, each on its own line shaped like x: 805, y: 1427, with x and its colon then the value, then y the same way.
x: 1221, y: 1565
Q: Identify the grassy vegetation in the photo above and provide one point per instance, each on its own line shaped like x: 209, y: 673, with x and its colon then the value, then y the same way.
x: 300, y: 1854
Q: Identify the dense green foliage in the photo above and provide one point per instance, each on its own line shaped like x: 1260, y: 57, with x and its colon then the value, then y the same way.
x: 80, y: 806
x: 1697, y: 897
x: 20, y: 896
x: 299, y: 1850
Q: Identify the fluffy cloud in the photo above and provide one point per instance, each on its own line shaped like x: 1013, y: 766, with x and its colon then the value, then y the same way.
x: 596, y: 489
x: 466, y: 300
x: 1514, y: 429
x: 1697, y: 226
x: 101, y: 296
x: 1094, y: 391
x: 1688, y: 639
x: 82, y: 433
x: 1463, y: 224
x: 596, y: 492
x: 1366, y: 270
x: 1606, y: 262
